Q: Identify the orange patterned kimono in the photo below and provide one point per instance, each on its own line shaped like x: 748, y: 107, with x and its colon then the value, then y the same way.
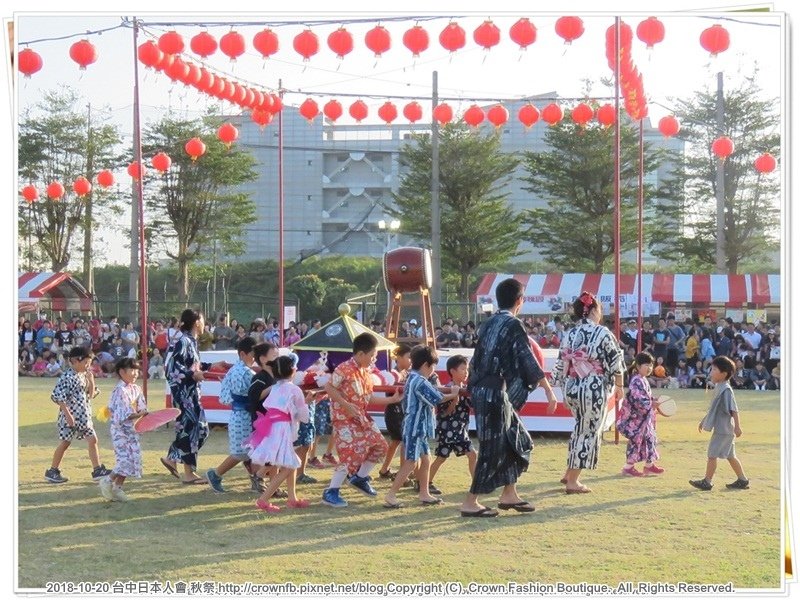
x: 357, y: 439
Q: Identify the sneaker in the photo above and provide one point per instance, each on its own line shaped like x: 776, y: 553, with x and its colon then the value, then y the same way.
x: 362, y: 484
x: 329, y: 460
x: 315, y: 462
x: 53, y: 475
x: 215, y: 481
x: 305, y: 479
x: 387, y: 474
x: 411, y: 483
x: 117, y: 494
x: 434, y: 490
x: 701, y: 484
x: 332, y: 498
x: 257, y: 484
x: 105, y: 488
x: 654, y: 469
x: 631, y: 471
x: 99, y: 472
x: 739, y: 484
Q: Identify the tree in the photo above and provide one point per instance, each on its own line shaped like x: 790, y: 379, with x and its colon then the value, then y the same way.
x: 310, y: 292
x: 751, y: 199
x: 336, y: 292
x: 54, y: 145
x: 479, y: 226
x: 194, y: 203
x: 575, y: 229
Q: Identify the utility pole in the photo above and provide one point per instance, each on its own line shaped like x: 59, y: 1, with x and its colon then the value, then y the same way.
x: 88, y: 268
x: 436, y: 215
x: 133, y: 279
x: 720, y: 183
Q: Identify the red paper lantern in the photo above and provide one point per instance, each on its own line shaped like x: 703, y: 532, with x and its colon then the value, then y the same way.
x: 81, y: 186
x: 416, y: 39
x: 443, y: 113
x: 55, y: 190
x: 452, y: 37
x: 261, y: 117
x: 412, y: 111
x: 238, y: 94
x: 332, y: 109
x: 136, y: 170
x: 650, y: 31
x: 552, y: 114
x: 387, y: 112
x: 341, y: 42
x: 497, y: 115
x: 218, y: 88
x: 276, y: 103
x: 309, y: 109
x: 669, y: 126
x: 206, y: 81
x: 232, y: 45
x: 161, y: 162
x: 166, y: 61
x: 227, y: 134
x: 359, y: 110
x: 765, y: 163
x: 266, y: 42
x: 249, y: 98
x: 306, y: 44
x: 606, y: 115
x: 474, y: 116
x: 29, y: 62
x: 715, y: 39
x: 105, y: 178
x: 378, y: 40
x: 171, y: 43
x: 193, y: 75
x: 195, y: 148
x: 569, y: 28
x: 83, y: 53
x: 228, y: 90
x: 528, y: 115
x: 203, y: 44
x: 722, y: 147
x: 582, y: 114
x: 178, y: 70
x: 523, y: 32
x: 486, y: 35
x: 30, y: 193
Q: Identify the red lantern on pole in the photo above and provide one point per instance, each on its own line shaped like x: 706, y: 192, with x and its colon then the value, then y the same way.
x: 552, y: 114
x: 306, y: 44
x: 203, y: 44
x: 486, y: 35
x: 497, y: 115
x: 105, y: 178
x: 261, y: 117
x: 765, y: 163
x: 528, y: 115
x: 81, y: 186
x: 359, y: 110
x: 171, y: 43
x: 195, y: 148
x: 378, y: 40
x: 309, y: 109
x: 30, y: 193
x: 452, y: 37
x: 227, y: 134
x: 443, y: 113
x: 606, y: 115
x: 412, y: 111
x: 341, y: 42
x: 650, y: 31
x: 474, y: 116
x: 387, y: 112
x: 582, y: 114
x: 416, y: 39
x: 722, y: 147
x: 569, y: 28
x: 83, y: 53
x: 136, y: 170
x: 232, y: 45
x: 332, y: 110
x: 669, y: 126
x: 715, y: 39
x: 29, y: 62
x: 161, y: 162
x: 266, y: 42
x: 55, y: 190
x: 523, y: 32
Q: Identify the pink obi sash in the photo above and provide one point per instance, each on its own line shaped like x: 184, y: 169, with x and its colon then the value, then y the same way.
x: 262, y: 426
x: 578, y: 364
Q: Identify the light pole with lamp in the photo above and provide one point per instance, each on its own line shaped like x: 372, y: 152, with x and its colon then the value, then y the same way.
x: 390, y: 227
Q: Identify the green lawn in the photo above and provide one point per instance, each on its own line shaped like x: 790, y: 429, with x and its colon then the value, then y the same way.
x: 649, y: 529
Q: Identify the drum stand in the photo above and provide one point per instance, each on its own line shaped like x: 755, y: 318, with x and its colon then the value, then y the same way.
x: 423, y: 303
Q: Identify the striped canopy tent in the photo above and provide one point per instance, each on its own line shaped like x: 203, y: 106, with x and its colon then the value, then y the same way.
x: 57, y: 291
x: 560, y: 289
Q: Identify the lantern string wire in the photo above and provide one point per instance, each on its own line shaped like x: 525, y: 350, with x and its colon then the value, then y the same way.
x: 82, y: 34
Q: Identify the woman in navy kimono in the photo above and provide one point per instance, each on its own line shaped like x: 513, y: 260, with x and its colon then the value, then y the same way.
x: 184, y: 373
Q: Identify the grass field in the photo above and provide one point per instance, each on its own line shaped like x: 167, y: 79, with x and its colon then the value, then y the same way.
x: 648, y: 529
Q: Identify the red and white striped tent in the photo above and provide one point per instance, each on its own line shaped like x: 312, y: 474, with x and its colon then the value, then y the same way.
x: 58, y: 291
x: 554, y: 289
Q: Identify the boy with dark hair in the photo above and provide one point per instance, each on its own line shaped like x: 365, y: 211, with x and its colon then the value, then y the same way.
x: 723, y: 419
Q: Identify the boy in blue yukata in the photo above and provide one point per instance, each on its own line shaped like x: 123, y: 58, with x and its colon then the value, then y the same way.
x: 419, y: 399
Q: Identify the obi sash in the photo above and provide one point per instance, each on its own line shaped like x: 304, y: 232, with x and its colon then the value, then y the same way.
x: 240, y: 402
x: 262, y: 426
x: 578, y: 364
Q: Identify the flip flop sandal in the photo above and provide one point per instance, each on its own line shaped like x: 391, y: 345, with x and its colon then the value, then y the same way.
x: 484, y: 512
x: 299, y: 503
x: 431, y: 502
x: 267, y: 506
x: 580, y: 490
x: 168, y: 466
x: 194, y: 481
x: 392, y: 505
x: 522, y: 506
